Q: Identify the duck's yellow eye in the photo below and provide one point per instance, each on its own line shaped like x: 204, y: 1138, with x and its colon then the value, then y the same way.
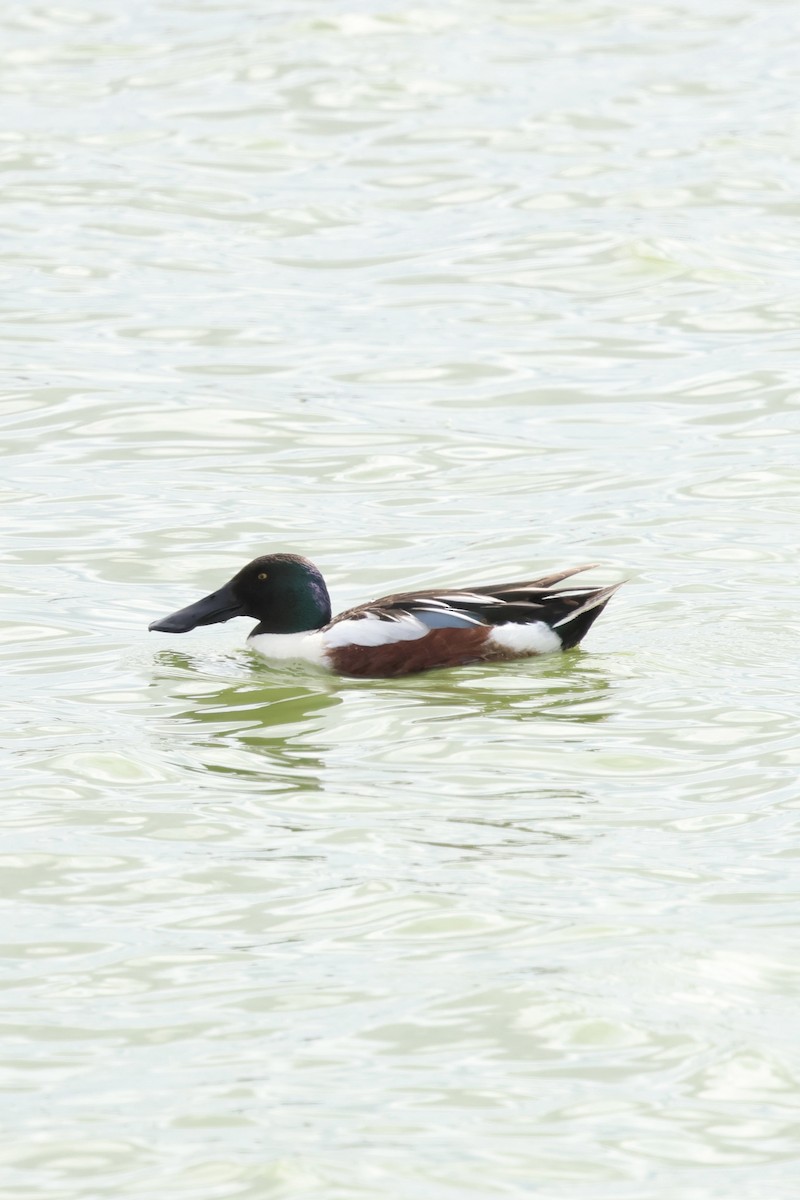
x: 263, y: 575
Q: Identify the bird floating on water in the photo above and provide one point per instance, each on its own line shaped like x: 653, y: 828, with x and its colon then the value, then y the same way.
x: 400, y: 634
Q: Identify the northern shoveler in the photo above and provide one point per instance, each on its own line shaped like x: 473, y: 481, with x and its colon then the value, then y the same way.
x: 395, y: 635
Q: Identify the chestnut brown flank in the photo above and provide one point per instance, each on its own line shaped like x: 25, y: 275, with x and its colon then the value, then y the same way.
x: 439, y: 648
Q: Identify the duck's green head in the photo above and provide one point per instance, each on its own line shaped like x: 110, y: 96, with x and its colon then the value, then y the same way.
x: 283, y: 592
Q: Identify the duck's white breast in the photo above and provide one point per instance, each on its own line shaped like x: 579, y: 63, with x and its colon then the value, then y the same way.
x: 306, y: 646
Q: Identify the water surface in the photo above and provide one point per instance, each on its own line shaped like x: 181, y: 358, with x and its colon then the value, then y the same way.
x: 434, y: 295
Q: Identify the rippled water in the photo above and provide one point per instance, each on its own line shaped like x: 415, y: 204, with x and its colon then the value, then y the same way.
x: 432, y: 294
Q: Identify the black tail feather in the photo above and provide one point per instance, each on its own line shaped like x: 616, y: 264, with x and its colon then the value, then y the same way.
x: 573, y: 628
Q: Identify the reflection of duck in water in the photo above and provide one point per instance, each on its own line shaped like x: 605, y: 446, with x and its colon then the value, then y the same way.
x: 395, y: 635
x: 263, y: 726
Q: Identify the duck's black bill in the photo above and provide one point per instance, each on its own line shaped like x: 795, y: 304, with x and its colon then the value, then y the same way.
x: 219, y: 606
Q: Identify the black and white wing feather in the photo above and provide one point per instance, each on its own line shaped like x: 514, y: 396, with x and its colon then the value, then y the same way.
x: 410, y: 615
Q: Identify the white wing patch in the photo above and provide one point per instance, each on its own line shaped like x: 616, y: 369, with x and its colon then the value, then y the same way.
x: 455, y: 598
x: 370, y: 630
x: 573, y: 592
x: 534, y: 637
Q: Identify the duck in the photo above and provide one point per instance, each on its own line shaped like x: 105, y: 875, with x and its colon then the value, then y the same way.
x: 396, y: 635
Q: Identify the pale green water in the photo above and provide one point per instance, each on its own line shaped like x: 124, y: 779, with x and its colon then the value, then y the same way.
x: 432, y: 294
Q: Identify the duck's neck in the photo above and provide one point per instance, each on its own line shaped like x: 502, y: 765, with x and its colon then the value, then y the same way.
x: 297, y: 607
